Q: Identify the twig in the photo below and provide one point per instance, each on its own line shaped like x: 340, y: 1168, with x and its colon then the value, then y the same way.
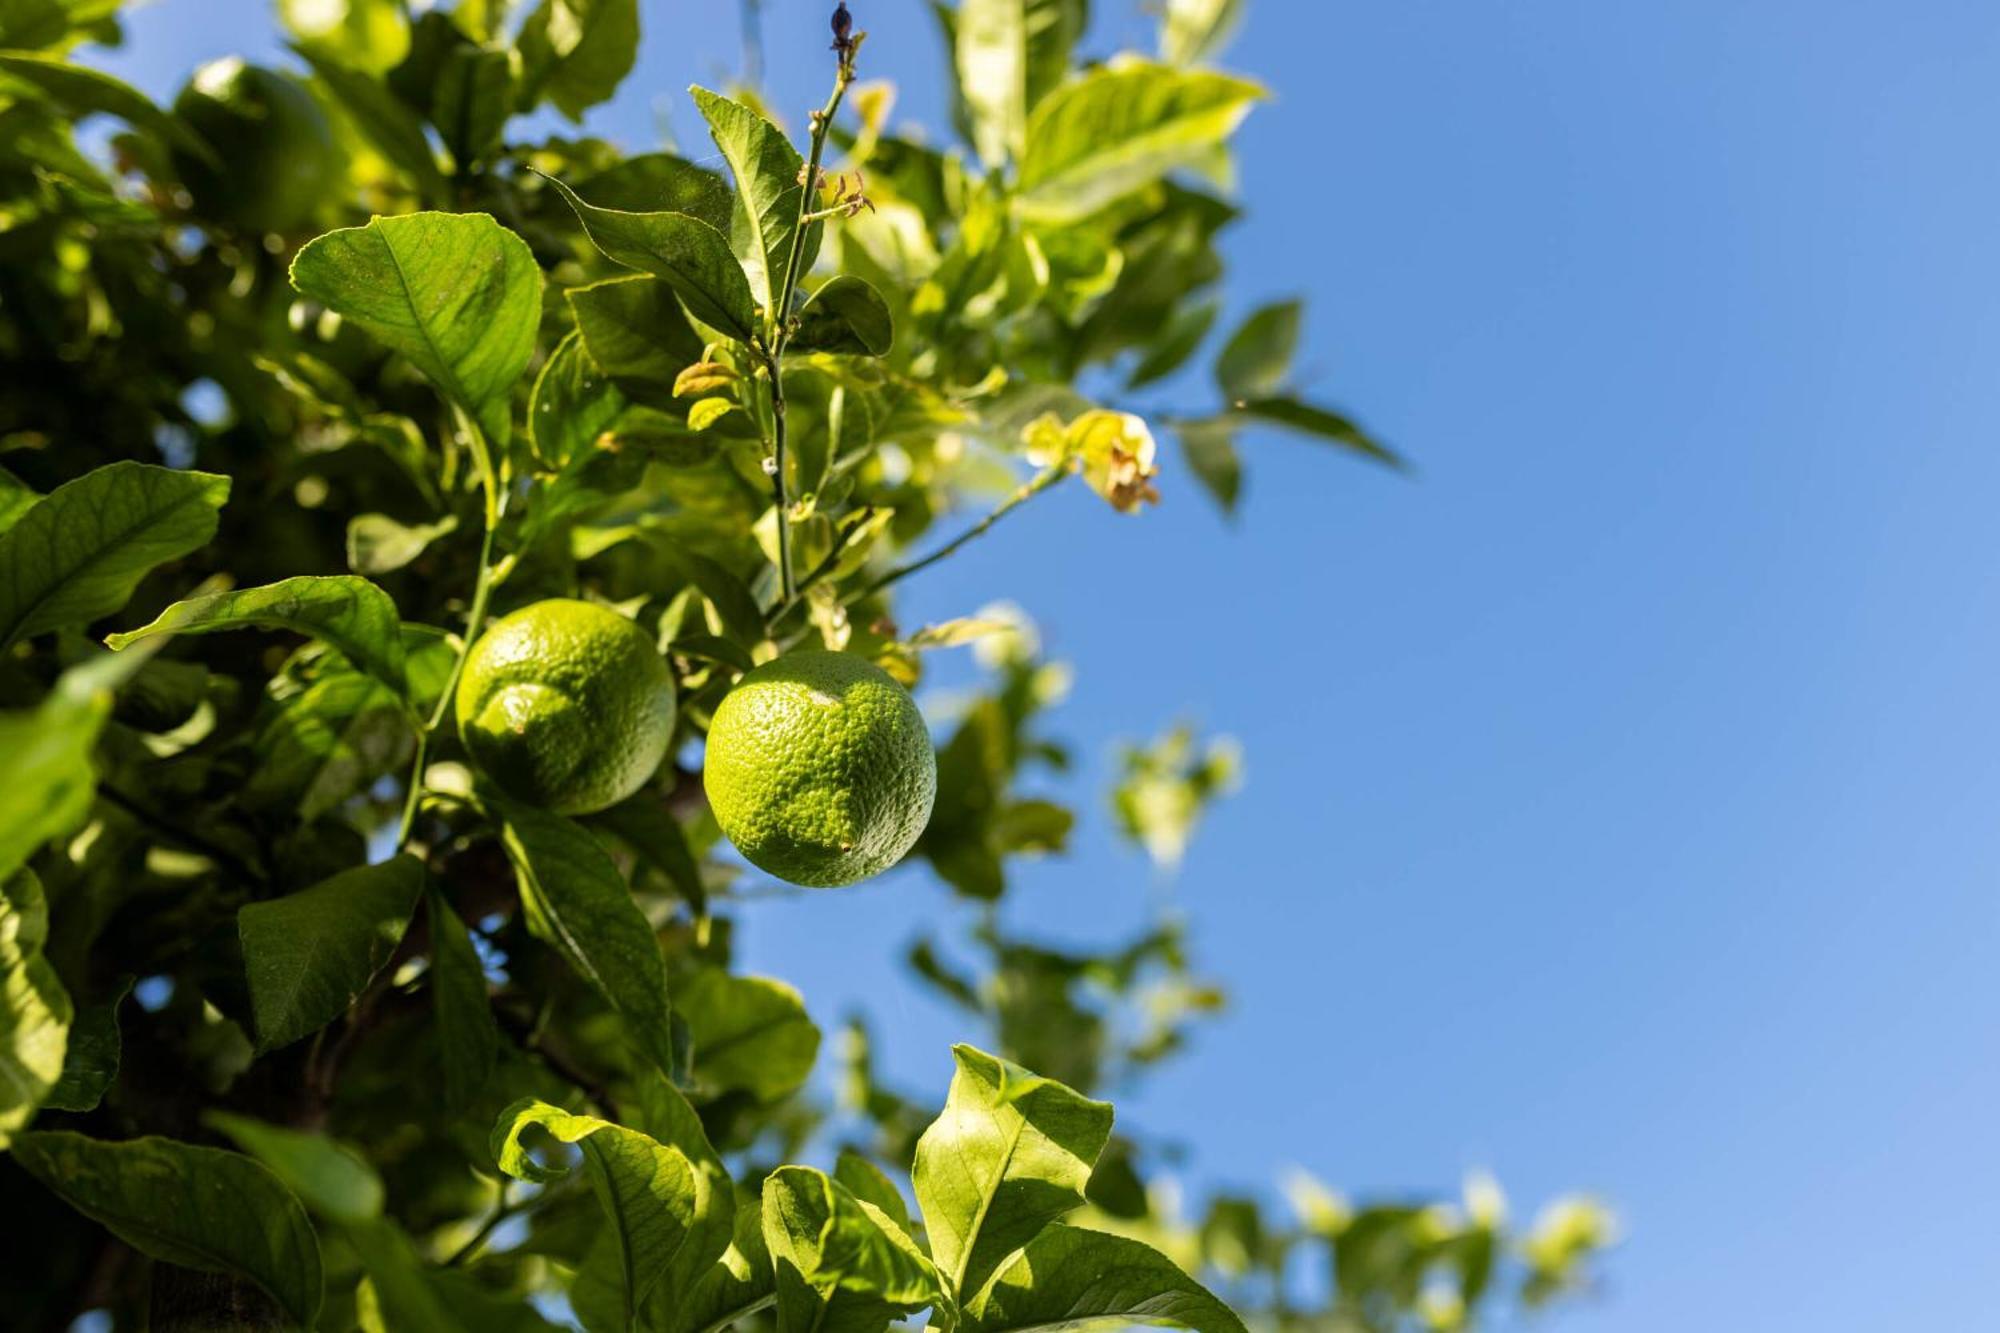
x: 1028, y: 489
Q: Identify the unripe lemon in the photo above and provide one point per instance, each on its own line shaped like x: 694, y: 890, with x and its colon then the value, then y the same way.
x: 276, y: 155
x: 566, y: 705
x: 819, y: 768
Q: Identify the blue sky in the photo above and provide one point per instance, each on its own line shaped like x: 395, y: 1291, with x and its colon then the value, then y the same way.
x: 1622, y: 786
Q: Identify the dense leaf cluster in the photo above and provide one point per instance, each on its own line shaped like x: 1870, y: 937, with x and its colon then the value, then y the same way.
x: 301, y: 1023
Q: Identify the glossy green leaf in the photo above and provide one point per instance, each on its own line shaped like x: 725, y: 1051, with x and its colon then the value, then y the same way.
x: 309, y: 955
x: 1318, y: 423
x: 750, y: 1034
x: 198, y: 1207
x: 1009, y: 54
x: 575, y: 53
x: 688, y: 254
x: 1193, y: 30
x: 845, y: 315
x: 78, y: 553
x: 1010, y: 1153
x: 35, y: 1010
x: 456, y: 293
x: 1257, y: 358
x: 1122, y: 127
x: 468, y: 1039
x: 80, y: 90
x: 578, y: 904
x: 90, y: 1064
x: 1068, y: 1280
x: 647, y: 1187
x: 766, y: 213
x: 842, y: 1266
x: 665, y: 1114
x: 378, y: 544
x: 640, y: 823
x: 342, y: 610
x: 328, y: 1177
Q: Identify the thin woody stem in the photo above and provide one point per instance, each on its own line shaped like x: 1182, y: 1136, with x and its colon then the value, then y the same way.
x: 781, y: 319
x: 1027, y: 490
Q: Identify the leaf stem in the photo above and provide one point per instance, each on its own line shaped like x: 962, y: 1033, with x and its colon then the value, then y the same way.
x: 1027, y: 490
x: 780, y: 317
x: 482, y: 589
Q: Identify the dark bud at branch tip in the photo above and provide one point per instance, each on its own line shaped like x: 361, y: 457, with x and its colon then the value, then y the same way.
x: 843, y: 24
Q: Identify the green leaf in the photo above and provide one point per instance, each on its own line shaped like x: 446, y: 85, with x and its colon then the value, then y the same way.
x: 1069, y: 1280
x: 1176, y: 343
x: 647, y: 1187
x: 869, y: 1183
x: 470, y: 102
x: 35, y: 1010
x: 309, y: 955
x: 50, y: 777
x: 577, y: 903
x: 343, y: 610
x: 575, y: 53
x: 750, y: 1034
x: 82, y: 549
x: 737, y: 1286
x: 573, y: 403
x: 341, y: 732
x: 842, y: 1265
x: 688, y: 254
x: 1258, y: 356
x: 665, y: 1115
x: 328, y: 1177
x: 1010, y: 1153
x: 1193, y: 30
x: 198, y: 1207
x: 845, y: 315
x: 1210, y: 450
x: 648, y: 181
x: 468, y: 1037
x: 708, y: 411
x: 378, y: 544
x: 16, y: 499
x: 1319, y: 423
x: 1122, y: 127
x: 1008, y: 55
x: 656, y: 836
x: 80, y: 90
x: 90, y: 1065
x: 765, y: 216
x: 456, y: 293
x: 635, y: 332
x: 382, y: 118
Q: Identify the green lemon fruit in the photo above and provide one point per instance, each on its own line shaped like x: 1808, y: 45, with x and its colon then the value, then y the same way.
x: 566, y: 705
x: 276, y: 156
x: 819, y: 769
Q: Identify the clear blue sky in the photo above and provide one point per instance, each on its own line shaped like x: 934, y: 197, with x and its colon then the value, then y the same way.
x: 1623, y: 789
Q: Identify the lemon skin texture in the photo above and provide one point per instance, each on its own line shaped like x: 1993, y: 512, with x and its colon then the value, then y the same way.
x: 275, y: 148
x: 566, y: 705
x: 819, y: 768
